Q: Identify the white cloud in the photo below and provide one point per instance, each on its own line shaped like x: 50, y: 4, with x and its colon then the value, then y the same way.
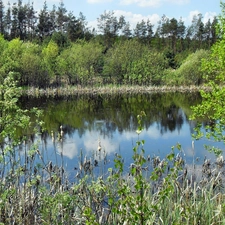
x: 209, y: 15
x: 152, y: 3
x: 142, y: 3
x: 69, y: 149
x: 189, y: 18
x: 178, y: 2
x: 206, y: 16
x: 192, y: 14
x: 38, y: 4
x: 132, y: 18
x: 92, y: 140
x: 98, y: 1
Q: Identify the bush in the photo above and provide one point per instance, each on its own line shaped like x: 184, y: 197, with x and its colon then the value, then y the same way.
x: 148, y: 69
x: 80, y: 62
x: 190, y: 73
x: 118, y: 60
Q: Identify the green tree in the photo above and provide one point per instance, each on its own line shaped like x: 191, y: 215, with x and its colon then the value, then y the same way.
x: 80, y: 63
x: 7, y: 22
x: 173, y: 33
x: 150, y: 32
x: 143, y: 31
x: 213, y: 30
x: 109, y: 25
x: 22, y: 19
x: 126, y: 31
x: 2, y: 17
x: 207, y: 32
x: 49, y: 55
x: 31, y: 22
x: 61, y: 16
x: 164, y: 30
x: 45, y: 26
x: 190, y: 73
x: 212, y: 107
x: 74, y: 28
x: 10, y: 58
x: 119, y: 59
x: 197, y: 27
x: 14, y: 29
x: 140, y: 31
x: 148, y: 69
x: 12, y: 118
x: 180, y: 34
x: 31, y: 71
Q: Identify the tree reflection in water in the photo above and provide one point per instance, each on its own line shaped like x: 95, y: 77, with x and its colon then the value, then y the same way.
x: 112, y: 119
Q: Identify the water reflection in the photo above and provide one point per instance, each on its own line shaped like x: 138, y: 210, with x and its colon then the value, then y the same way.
x: 112, y: 121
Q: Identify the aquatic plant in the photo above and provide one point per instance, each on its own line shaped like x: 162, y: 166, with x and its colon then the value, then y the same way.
x: 151, y: 190
x: 108, y: 89
x: 36, y: 190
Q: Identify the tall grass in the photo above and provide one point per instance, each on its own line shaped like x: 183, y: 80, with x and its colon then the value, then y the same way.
x: 108, y: 89
x: 150, y: 191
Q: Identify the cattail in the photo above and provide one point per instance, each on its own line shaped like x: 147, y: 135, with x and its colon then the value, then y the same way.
x: 61, y: 131
x: 50, y: 166
x: 99, y: 146
x: 52, y: 135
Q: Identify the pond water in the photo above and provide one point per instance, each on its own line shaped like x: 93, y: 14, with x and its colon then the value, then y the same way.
x: 110, y: 122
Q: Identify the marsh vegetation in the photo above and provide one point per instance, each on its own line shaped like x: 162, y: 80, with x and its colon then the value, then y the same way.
x: 151, y: 189
x: 39, y: 190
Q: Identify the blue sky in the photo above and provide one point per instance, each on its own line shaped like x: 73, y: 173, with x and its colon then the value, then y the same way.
x: 136, y: 10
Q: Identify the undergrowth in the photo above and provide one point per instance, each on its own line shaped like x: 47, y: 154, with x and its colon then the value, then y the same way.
x: 151, y: 191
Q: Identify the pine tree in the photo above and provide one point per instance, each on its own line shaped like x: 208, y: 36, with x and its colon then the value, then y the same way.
x: 2, y: 31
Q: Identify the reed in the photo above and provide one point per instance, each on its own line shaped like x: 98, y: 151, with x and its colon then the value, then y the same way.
x: 35, y: 190
x: 108, y: 89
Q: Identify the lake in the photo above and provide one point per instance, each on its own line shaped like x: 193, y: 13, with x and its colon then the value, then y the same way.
x: 100, y: 126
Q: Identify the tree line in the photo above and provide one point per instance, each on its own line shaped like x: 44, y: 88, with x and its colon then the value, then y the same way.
x: 53, y: 46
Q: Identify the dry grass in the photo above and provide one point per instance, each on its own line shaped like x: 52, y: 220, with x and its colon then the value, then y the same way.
x: 123, y: 89
x: 150, y: 191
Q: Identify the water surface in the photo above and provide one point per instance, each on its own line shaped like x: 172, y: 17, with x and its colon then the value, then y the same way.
x: 110, y: 122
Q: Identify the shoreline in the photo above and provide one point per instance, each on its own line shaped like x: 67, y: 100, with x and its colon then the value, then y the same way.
x: 123, y: 89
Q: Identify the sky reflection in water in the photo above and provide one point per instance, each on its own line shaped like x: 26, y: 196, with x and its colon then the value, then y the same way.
x: 112, y: 122
x: 156, y: 144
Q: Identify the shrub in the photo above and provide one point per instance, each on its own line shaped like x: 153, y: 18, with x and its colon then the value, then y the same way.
x: 190, y: 73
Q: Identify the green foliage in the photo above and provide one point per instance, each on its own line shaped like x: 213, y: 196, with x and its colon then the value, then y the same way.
x: 49, y: 55
x: 212, y: 107
x: 151, y: 191
x: 56, y: 61
x: 180, y: 57
x: 130, y: 61
x: 119, y: 59
x: 149, y: 69
x: 30, y: 60
x: 61, y: 40
x: 190, y: 73
x: 14, y: 122
x: 213, y: 67
x: 10, y: 58
x: 3, y: 43
x: 80, y: 62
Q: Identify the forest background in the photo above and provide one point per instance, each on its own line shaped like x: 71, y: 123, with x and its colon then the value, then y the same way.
x: 54, y: 48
